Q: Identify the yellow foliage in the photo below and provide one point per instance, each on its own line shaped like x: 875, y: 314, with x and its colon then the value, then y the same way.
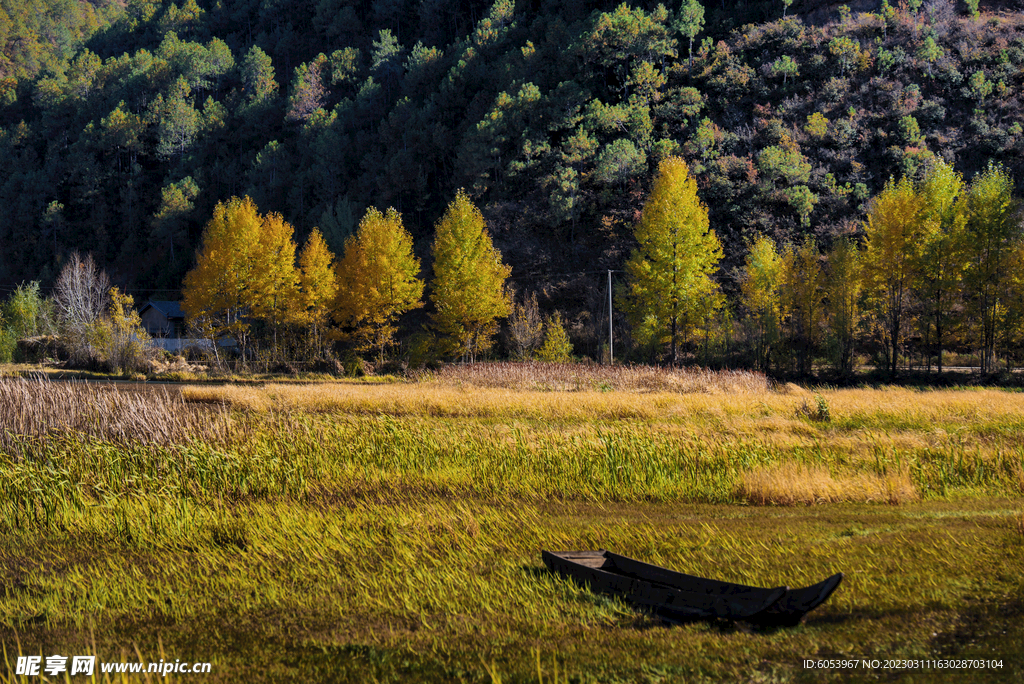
x: 468, y: 291
x: 669, y: 273
x: 318, y: 285
x: 377, y: 280
x: 244, y: 269
x: 217, y: 290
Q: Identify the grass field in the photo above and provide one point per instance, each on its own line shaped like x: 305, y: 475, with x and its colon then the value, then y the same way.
x: 352, y: 532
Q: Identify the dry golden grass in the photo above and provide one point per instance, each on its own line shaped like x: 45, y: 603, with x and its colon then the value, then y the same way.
x: 792, y: 484
x: 39, y: 407
x: 439, y: 401
x: 575, y: 377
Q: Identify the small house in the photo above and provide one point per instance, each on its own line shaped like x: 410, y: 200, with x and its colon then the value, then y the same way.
x: 163, y: 319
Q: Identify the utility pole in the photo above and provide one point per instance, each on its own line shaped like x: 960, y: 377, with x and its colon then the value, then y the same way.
x: 611, y: 342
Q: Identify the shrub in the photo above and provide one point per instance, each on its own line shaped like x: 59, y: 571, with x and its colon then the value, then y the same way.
x: 556, y: 348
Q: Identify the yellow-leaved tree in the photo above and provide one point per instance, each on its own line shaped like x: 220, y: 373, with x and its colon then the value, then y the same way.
x: 670, y: 290
x: 468, y: 290
x: 318, y: 287
x: 275, y: 291
x: 760, y: 284
x: 245, y: 271
x: 943, y: 254
x: 993, y: 230
x: 217, y: 292
x: 894, y: 233
x: 377, y: 281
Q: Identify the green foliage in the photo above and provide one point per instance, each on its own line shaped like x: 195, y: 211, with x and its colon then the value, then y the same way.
x: 786, y: 66
x: 760, y: 285
x: 978, y: 86
x: 846, y: 52
x: 817, y: 125
x: 669, y: 272
x: 910, y: 131
x: 468, y: 290
x: 619, y: 162
x: 787, y: 166
x: 22, y: 313
x: 258, y: 76
x: 689, y: 22
x: 554, y: 119
x: 993, y: 233
x: 556, y: 348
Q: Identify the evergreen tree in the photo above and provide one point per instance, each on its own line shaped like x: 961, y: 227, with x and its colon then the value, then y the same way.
x: 468, y: 290
x: 670, y: 271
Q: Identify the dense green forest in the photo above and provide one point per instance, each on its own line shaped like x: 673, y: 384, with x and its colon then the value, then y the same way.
x: 124, y: 124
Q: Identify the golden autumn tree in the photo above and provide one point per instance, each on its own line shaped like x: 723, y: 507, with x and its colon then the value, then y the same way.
x: 670, y: 290
x: 760, y: 287
x: 377, y: 281
x: 468, y: 290
x: 943, y: 253
x: 894, y: 232
x: 217, y: 292
x: 245, y: 271
x: 318, y: 287
x: 275, y: 284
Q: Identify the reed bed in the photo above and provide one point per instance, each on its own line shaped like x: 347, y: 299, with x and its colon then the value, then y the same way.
x: 36, y: 408
x: 574, y: 377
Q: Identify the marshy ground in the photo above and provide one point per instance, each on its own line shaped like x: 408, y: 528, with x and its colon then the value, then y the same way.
x: 352, y: 532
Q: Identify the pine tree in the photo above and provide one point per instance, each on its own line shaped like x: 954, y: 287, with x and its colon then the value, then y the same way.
x: 377, y: 281
x: 670, y: 272
x: 468, y: 290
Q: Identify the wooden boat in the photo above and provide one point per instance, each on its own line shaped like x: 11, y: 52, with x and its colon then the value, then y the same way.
x: 679, y: 597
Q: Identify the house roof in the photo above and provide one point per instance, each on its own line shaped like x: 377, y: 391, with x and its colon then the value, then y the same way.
x: 169, y: 309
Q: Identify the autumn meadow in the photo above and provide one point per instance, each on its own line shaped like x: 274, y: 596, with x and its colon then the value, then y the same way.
x: 350, y: 531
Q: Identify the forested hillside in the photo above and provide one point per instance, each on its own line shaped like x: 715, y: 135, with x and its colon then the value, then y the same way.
x: 124, y: 124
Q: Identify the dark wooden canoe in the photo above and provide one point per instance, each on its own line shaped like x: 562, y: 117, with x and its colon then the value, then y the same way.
x: 681, y: 597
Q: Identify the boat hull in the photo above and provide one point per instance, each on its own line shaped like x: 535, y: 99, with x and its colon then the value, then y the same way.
x: 680, y: 597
